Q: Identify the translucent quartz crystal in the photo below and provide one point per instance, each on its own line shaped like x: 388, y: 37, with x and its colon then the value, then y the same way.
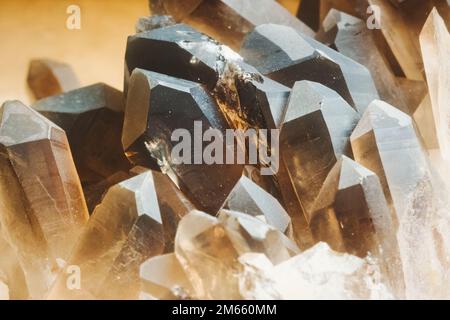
x: 162, y: 277
x: 44, y: 208
x: 315, y: 133
x: 385, y: 142
x: 435, y: 44
x: 208, y: 249
x: 351, y: 214
x: 351, y: 37
x: 296, y: 57
x: 48, y: 77
x: 316, y: 274
x: 127, y: 228
x: 249, y: 198
x: 228, y: 20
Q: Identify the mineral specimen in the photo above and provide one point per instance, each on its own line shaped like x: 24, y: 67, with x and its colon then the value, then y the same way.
x: 228, y: 20
x: 318, y: 273
x: 11, y: 272
x: 92, y: 118
x: 157, y: 105
x: 43, y: 204
x: 435, y: 44
x: 296, y: 57
x: 48, y: 77
x: 127, y: 228
x: 345, y: 33
x: 315, y: 133
x: 351, y: 214
x: 162, y: 277
x: 208, y: 249
x: 249, y: 198
x: 386, y: 143
x: 153, y: 22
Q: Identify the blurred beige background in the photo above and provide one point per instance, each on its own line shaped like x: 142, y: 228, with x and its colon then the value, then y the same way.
x: 37, y: 29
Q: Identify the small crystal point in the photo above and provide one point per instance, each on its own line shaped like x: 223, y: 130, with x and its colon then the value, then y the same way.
x: 46, y: 209
x: 352, y: 215
x: 318, y: 273
x: 249, y: 198
x: 48, y: 77
x: 228, y: 20
x: 435, y: 45
x: 163, y: 278
x: 208, y: 250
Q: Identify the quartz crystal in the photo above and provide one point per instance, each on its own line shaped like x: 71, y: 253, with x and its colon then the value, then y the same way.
x: 208, y: 249
x: 249, y: 198
x: 43, y: 204
x: 296, y: 57
x: 385, y: 142
x: 316, y: 274
x: 157, y: 105
x: 48, y: 77
x: 228, y: 20
x: 162, y: 277
x: 153, y: 22
x: 351, y: 214
x: 346, y: 33
x: 246, y: 97
x: 127, y: 228
x: 92, y: 118
x: 315, y: 133
x: 435, y: 44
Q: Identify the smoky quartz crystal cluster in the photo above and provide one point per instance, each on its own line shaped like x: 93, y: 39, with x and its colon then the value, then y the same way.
x: 354, y: 104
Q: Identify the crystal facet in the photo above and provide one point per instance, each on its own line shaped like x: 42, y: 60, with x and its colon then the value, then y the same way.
x: 295, y: 57
x: 47, y: 78
x: 157, y: 105
x: 228, y: 20
x: 385, y: 142
x: 351, y: 214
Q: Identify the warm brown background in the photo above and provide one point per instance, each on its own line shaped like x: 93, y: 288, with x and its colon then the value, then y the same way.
x: 37, y: 28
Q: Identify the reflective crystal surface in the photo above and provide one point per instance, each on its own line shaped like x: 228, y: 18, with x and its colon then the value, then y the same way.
x: 228, y: 20
x: 315, y: 133
x: 435, y: 45
x: 346, y: 33
x: 127, y: 228
x: 318, y: 273
x: 249, y: 198
x: 153, y: 22
x: 351, y: 214
x: 162, y: 277
x: 48, y: 77
x: 296, y: 57
x: 385, y: 142
x: 43, y: 204
x: 92, y: 118
x: 208, y: 249
x: 157, y: 105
